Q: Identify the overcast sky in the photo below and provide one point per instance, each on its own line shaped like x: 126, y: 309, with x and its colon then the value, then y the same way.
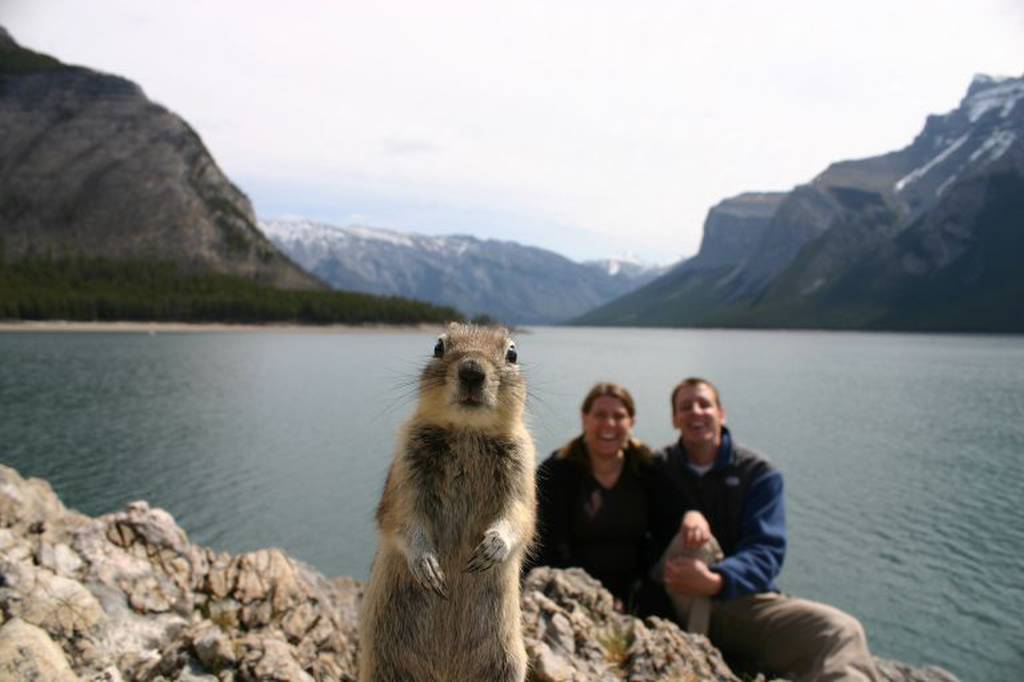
x: 592, y: 128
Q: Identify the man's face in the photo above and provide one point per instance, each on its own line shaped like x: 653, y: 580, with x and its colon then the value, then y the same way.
x: 698, y: 416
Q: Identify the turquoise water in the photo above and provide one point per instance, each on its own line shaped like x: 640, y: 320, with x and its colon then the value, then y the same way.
x: 903, y: 454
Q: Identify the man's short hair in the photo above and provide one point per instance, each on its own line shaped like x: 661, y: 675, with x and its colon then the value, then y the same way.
x: 694, y: 381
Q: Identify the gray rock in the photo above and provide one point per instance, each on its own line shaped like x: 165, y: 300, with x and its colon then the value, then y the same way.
x: 59, y: 558
x: 60, y: 606
x: 145, y: 604
x: 26, y: 504
x: 13, y: 547
x: 551, y: 667
x: 191, y: 673
x: 29, y: 655
x: 266, y: 657
x: 570, y: 624
x: 213, y: 647
x: 110, y: 674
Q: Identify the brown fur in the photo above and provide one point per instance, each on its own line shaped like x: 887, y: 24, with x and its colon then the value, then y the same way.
x: 455, y: 518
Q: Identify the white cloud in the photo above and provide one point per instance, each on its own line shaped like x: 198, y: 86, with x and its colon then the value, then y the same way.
x: 589, y: 125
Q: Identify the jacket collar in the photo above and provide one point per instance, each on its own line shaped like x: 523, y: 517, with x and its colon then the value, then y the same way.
x: 726, y: 454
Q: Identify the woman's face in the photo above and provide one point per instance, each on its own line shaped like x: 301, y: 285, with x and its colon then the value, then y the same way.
x: 606, y: 427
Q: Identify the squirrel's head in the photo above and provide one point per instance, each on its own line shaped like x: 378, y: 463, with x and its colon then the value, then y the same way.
x: 473, y: 378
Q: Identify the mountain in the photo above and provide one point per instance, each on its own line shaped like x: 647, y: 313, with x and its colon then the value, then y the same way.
x: 507, y: 281
x: 111, y: 207
x: 732, y: 231
x: 90, y: 167
x: 922, y: 238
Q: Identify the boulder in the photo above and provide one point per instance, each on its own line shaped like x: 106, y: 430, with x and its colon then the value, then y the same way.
x: 126, y: 596
x: 62, y: 607
x: 213, y: 647
x: 26, y: 505
x: 28, y: 653
x: 573, y: 632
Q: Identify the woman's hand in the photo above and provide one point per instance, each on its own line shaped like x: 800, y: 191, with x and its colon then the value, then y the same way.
x: 695, y: 530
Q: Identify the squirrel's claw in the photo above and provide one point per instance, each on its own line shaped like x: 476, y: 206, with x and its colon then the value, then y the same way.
x: 427, y: 572
x: 493, y: 549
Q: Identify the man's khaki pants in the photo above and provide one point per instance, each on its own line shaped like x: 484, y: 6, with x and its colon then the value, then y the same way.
x: 803, y: 639
x: 798, y: 638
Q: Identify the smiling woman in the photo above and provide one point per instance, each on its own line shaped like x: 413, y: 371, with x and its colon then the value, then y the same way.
x: 594, y: 499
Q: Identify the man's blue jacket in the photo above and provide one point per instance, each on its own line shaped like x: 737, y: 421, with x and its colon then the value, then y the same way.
x: 741, y: 497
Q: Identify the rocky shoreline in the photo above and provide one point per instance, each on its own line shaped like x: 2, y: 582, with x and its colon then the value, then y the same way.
x: 126, y: 596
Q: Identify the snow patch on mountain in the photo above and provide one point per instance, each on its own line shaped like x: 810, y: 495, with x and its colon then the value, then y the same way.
x: 994, y: 146
x: 375, y: 234
x: 310, y: 231
x: 918, y: 173
x: 1003, y: 96
x: 945, y: 185
x: 624, y: 266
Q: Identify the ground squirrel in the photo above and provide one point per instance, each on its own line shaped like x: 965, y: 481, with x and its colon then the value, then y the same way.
x: 455, y: 519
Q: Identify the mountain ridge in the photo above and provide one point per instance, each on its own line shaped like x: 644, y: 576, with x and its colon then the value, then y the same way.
x: 857, y: 212
x: 504, y: 280
x: 91, y: 167
x: 111, y: 208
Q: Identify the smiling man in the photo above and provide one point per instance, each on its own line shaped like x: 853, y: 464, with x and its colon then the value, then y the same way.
x: 721, y: 494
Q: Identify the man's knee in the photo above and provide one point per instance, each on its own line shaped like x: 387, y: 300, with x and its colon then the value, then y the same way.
x: 841, y: 630
x: 828, y: 644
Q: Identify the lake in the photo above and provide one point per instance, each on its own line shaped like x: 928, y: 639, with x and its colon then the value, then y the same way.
x: 903, y: 454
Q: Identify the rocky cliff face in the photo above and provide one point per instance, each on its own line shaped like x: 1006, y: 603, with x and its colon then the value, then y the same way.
x: 126, y: 597
x: 734, y: 227
x: 733, y: 231
x: 818, y: 261
x: 510, y: 282
x: 89, y: 166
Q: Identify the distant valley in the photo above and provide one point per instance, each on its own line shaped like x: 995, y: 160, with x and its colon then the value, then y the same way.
x: 505, y: 281
x: 926, y: 238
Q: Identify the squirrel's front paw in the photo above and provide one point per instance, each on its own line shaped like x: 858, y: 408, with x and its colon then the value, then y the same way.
x: 427, y: 571
x: 493, y: 549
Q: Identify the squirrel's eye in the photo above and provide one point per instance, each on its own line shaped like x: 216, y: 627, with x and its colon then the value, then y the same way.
x: 439, y: 348
x: 511, y: 355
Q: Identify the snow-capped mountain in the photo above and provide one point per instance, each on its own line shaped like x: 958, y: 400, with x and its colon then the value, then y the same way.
x: 964, y: 141
x: 926, y: 237
x: 627, y: 267
x: 507, y: 281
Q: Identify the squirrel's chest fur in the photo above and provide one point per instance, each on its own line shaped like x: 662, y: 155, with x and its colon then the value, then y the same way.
x: 464, y: 480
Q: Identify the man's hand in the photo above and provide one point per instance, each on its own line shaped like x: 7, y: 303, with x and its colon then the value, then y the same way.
x: 691, y: 577
x: 694, y: 529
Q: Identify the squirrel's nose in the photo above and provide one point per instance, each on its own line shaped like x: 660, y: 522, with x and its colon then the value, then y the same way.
x: 471, y: 374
